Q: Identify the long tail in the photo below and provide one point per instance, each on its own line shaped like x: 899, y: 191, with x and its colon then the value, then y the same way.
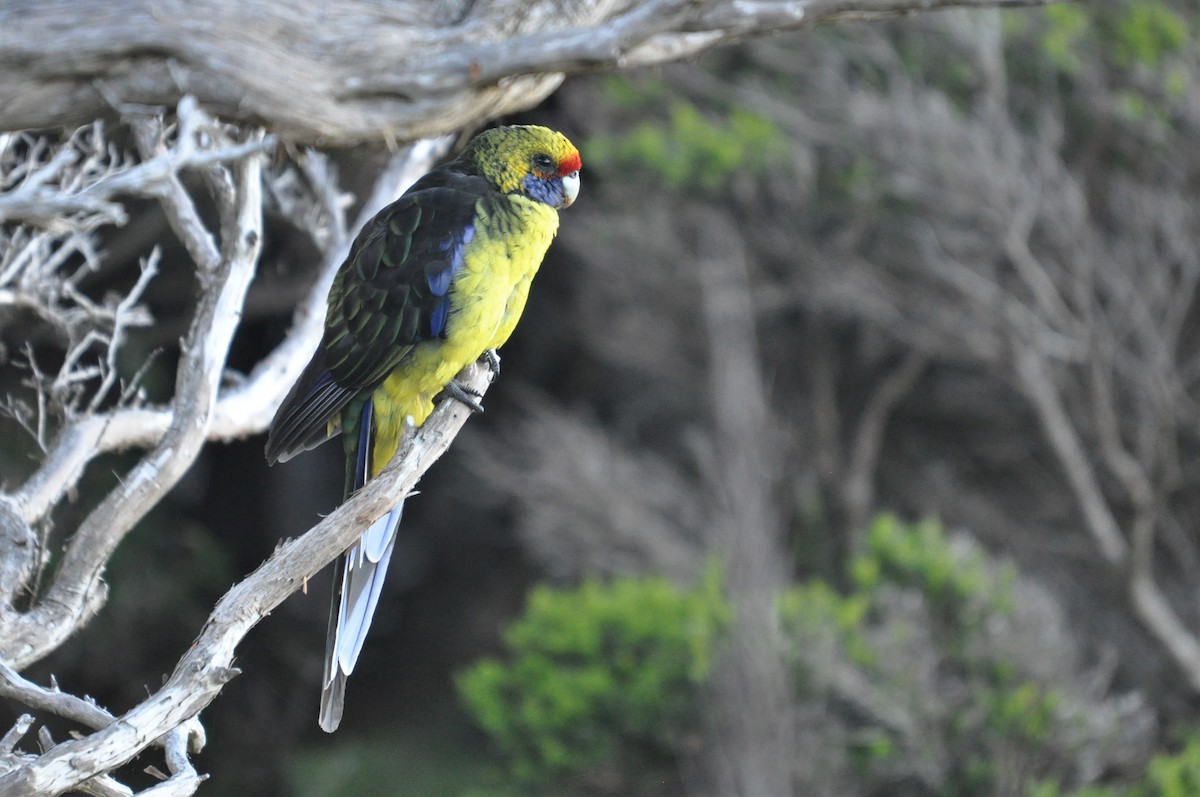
x: 357, y: 582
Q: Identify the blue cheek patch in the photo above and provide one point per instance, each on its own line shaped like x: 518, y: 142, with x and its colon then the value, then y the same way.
x: 439, y: 280
x: 549, y: 192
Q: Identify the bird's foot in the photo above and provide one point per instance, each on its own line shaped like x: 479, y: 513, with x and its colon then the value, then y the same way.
x: 464, y: 395
x: 492, y: 360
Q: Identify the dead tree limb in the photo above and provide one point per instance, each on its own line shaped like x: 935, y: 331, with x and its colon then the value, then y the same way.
x: 76, y: 591
x: 358, y: 71
x: 44, y: 181
x: 208, y: 664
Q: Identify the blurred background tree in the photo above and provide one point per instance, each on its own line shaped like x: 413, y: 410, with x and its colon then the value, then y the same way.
x: 942, y: 266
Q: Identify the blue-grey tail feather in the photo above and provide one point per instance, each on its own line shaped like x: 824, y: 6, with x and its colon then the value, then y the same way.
x: 364, y: 582
x: 333, y: 701
x: 358, y: 582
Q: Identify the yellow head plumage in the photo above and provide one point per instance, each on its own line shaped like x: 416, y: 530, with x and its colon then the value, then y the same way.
x: 530, y: 160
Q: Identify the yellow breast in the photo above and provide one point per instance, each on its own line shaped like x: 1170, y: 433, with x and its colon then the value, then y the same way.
x: 486, y: 300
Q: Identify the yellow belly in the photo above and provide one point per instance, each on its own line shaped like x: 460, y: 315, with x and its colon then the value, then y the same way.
x: 486, y: 300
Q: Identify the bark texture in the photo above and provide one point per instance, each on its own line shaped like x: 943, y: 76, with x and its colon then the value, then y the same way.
x: 344, y: 73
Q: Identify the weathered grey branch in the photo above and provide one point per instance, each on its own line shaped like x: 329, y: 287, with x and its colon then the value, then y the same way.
x: 98, y: 786
x: 208, y: 664
x: 54, y: 700
x: 46, y: 199
x: 362, y: 71
x: 184, y: 780
x: 20, y: 548
x: 241, y: 410
x: 751, y: 686
x: 76, y: 590
x: 8, y: 742
x: 858, y: 492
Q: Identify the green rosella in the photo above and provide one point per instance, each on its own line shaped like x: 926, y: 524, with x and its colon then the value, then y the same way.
x: 432, y: 283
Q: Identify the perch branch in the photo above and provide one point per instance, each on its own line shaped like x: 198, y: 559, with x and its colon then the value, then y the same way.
x: 208, y: 664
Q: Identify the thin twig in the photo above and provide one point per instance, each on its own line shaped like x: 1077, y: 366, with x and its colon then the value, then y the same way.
x: 61, y: 704
x: 76, y: 590
x: 8, y: 742
x: 242, y: 410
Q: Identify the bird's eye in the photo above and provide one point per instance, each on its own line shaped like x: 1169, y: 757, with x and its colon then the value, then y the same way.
x: 543, y: 161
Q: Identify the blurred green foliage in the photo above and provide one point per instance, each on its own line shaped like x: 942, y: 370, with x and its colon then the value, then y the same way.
x: 687, y: 149
x: 1176, y: 775
x: 600, y: 682
x: 1168, y: 775
x: 1063, y: 36
x: 986, y: 702
x: 815, y: 613
x: 1146, y: 32
x: 1123, y: 34
x: 602, y: 676
x: 918, y: 555
x: 1144, y: 37
x: 642, y: 94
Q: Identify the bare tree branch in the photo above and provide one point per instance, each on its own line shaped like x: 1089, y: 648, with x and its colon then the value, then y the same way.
x: 184, y: 780
x: 241, y: 410
x: 54, y: 700
x: 857, y: 490
x: 201, y: 410
x: 1075, y: 292
x: 365, y: 72
x: 751, y: 685
x: 8, y: 742
x: 208, y: 664
x: 52, y: 194
x: 76, y: 590
x: 99, y: 786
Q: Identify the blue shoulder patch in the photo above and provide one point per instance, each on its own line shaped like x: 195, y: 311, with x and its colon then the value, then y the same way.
x: 439, y: 281
x: 438, y: 278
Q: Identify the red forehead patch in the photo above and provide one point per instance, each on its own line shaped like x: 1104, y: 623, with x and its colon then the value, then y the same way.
x: 569, y: 164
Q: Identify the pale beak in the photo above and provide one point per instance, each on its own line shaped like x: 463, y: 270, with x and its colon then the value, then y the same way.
x: 570, y: 185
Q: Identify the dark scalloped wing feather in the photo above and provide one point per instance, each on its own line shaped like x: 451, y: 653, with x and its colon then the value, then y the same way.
x: 386, y: 297
x: 390, y: 294
x: 302, y: 422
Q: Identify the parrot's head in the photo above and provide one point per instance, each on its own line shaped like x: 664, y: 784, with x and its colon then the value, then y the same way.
x: 526, y: 159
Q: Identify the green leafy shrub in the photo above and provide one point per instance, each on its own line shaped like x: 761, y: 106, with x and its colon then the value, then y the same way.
x: 1064, y: 36
x: 939, y: 666
x: 960, y: 582
x: 1151, y: 40
x: 690, y: 151
x: 599, y: 678
x: 1148, y: 31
